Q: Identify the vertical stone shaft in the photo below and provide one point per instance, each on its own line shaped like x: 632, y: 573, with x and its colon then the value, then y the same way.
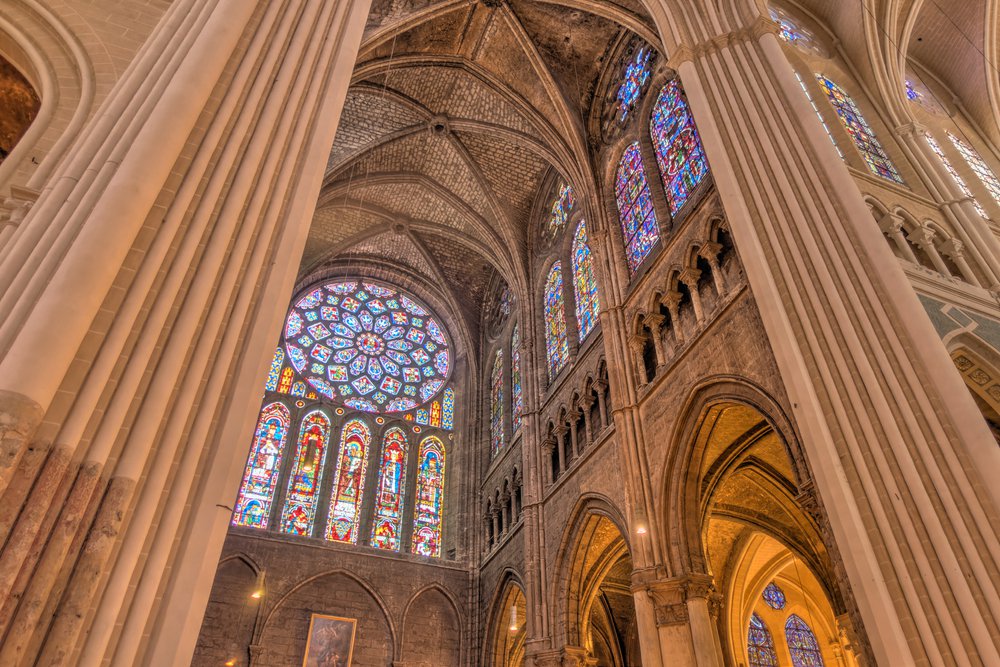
x: 902, y: 464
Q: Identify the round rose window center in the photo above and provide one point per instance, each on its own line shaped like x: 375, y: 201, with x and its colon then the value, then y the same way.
x: 370, y: 344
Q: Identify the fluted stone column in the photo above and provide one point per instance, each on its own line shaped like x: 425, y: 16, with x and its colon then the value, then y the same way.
x: 901, y: 455
x: 179, y: 210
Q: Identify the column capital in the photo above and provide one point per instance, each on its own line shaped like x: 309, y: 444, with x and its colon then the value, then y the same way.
x: 654, y: 321
x: 690, y: 277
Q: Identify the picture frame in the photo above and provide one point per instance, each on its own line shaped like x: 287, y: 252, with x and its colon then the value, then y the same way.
x: 330, y: 642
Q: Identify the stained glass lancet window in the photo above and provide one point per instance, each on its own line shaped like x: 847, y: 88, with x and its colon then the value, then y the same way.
x: 774, y: 596
x: 864, y: 137
x: 389, y: 495
x: 978, y: 165
x: 556, y: 341
x: 496, y: 404
x: 253, y: 505
x: 679, y: 154
x: 588, y: 301
x: 818, y: 114
x: 561, y: 208
x: 273, y: 374
x: 307, y: 475
x: 959, y: 181
x: 349, y: 483
x: 760, y: 644
x: 516, y: 397
x: 802, y: 643
x: 635, y: 208
x: 448, y: 411
x: 368, y: 345
x: 430, y: 498
x: 636, y: 75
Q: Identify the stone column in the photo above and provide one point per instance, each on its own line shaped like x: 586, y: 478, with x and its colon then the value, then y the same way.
x: 637, y: 345
x: 892, y: 226
x: 654, y: 321
x: 901, y: 456
x: 955, y: 250
x: 560, y: 433
x: 710, y: 252
x: 683, y: 618
x: 178, y: 209
x: 548, y: 447
x: 600, y: 387
x: 586, y: 403
x: 924, y: 238
x: 672, y: 301
x: 690, y: 278
x: 574, y: 417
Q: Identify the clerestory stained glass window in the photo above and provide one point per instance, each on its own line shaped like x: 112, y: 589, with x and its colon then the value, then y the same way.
x: 978, y: 165
x: 802, y: 643
x: 588, y: 302
x: 959, y: 181
x: 430, y: 498
x: 864, y: 137
x: 760, y: 644
x: 774, y: 596
x: 349, y: 483
x: 818, y: 114
x: 635, y: 208
x: 307, y: 474
x: 448, y: 411
x: 516, y: 397
x: 556, y: 341
x: 496, y: 404
x: 389, y: 496
x: 636, y: 75
x: 368, y: 345
x: 679, y: 153
x: 561, y: 208
x: 253, y: 504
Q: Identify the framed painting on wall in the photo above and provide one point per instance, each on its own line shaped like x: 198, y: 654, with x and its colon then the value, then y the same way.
x: 330, y: 642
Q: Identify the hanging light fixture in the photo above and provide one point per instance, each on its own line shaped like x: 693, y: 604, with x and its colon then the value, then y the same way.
x: 513, y: 617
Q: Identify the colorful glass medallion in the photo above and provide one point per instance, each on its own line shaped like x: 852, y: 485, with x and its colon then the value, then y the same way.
x: 253, y: 504
x: 349, y: 483
x: 307, y: 474
x: 760, y: 644
x: 556, y: 342
x: 774, y: 596
x: 588, y: 303
x: 430, y: 498
x: 679, y: 153
x: 864, y: 137
x: 635, y: 208
x: 496, y: 404
x: 376, y: 342
x: 389, y: 496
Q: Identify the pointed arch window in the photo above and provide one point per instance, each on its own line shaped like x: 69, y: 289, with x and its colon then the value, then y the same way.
x: 802, y: 643
x: 554, y: 307
x: 349, y: 483
x: 253, y: 504
x: 633, y: 81
x: 760, y: 644
x: 635, y: 208
x: 307, y: 474
x: 978, y: 165
x: 448, y: 410
x: 679, y: 153
x: 275, y: 372
x: 561, y: 207
x: 496, y: 404
x: 588, y: 302
x: 516, y: 396
x: 959, y: 181
x: 864, y: 137
x: 389, y: 496
x: 430, y: 498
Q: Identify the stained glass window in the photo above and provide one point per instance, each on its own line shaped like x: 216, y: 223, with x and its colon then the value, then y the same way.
x: 285, y: 381
x: 448, y: 411
x: 253, y: 505
x: 774, y: 596
x: 959, y: 181
x: 636, y: 75
x: 864, y: 137
x: 818, y: 114
x: 371, y: 346
x: 679, y: 153
x: 760, y: 644
x: 588, y: 302
x: 635, y: 208
x: 272, y: 375
x: 516, y: 398
x: 506, y: 301
x: 977, y: 164
x: 911, y: 93
x: 496, y: 404
x: 430, y: 498
x: 561, y: 208
x: 349, y: 483
x: 802, y: 643
x: 389, y: 496
x: 556, y: 342
x: 307, y: 475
